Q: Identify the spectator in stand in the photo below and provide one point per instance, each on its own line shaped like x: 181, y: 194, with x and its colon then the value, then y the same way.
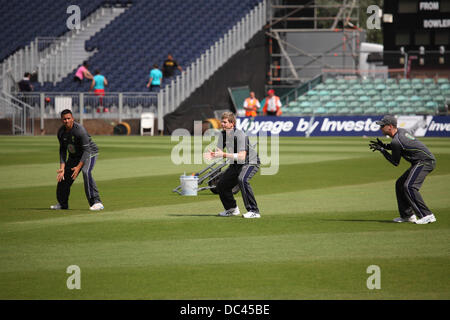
x: 82, y: 73
x: 169, y: 67
x: 272, y: 107
x: 251, y: 105
x: 98, y: 84
x: 154, y: 82
x: 25, y: 84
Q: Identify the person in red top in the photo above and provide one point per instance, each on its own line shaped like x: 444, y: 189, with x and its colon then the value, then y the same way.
x: 251, y: 105
x: 272, y: 107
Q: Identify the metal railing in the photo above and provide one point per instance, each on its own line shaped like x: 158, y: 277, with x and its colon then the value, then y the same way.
x: 199, y: 71
x: 112, y: 105
x: 19, y: 112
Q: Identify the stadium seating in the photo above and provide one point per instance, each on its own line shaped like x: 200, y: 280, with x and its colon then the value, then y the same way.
x: 147, y: 32
x: 372, y: 97
x: 22, y: 21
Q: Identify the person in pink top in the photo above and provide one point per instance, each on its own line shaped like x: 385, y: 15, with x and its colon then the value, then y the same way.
x: 82, y: 73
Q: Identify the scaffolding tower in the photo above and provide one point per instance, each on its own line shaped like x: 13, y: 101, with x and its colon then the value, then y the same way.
x: 308, y: 37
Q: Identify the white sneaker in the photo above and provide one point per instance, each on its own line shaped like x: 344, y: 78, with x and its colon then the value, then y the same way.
x: 56, y: 207
x: 230, y: 212
x: 97, y: 206
x: 251, y: 215
x: 427, y: 219
x: 413, y: 218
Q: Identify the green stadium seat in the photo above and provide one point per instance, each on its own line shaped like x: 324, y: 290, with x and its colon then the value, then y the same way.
x: 377, y: 97
x: 341, y: 104
x: 416, y: 80
x: 336, y: 92
x: 360, y: 92
x: 416, y: 105
x: 401, y: 98
x: 398, y: 92
x: 439, y: 99
x: 372, y: 92
x: 352, y: 98
x: 417, y: 86
x: 357, y: 110
x: 354, y: 104
x: 415, y: 98
x: 409, y: 110
x: 386, y: 92
x: 302, y: 98
x: 356, y: 86
x: 435, y: 92
x: 380, y: 86
x: 306, y: 110
x: 341, y: 81
x: 325, y: 99
x: 339, y: 98
x: 390, y: 81
x: 405, y: 86
x: 293, y: 104
x: 330, y: 104
x: 363, y: 98
x: 331, y: 87
x: 314, y: 98
x: 394, y: 86
x: 316, y: 104
x: 378, y: 81
x: 404, y: 81
x: 427, y: 97
x: 428, y: 81
x: 342, y: 87
x: 347, y: 92
x: 305, y: 104
x: 324, y: 93
x: 442, y: 80
x: 352, y: 81
x: 423, y: 92
x: 312, y: 93
x: 444, y: 86
x: 320, y: 86
x: 431, y: 107
x: 388, y: 97
x: 330, y: 81
x: 320, y: 110
x: 366, y: 81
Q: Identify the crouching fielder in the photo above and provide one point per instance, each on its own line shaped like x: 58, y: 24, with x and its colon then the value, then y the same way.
x: 74, y: 139
x: 244, y: 164
x: 411, y: 206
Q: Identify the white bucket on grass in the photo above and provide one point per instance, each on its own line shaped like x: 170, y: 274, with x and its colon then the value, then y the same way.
x: 189, y: 185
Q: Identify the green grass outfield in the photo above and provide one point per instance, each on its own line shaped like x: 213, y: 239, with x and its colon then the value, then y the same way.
x: 326, y: 217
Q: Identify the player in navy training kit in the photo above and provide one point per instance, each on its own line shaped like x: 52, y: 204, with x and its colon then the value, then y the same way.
x: 411, y: 206
x: 244, y: 164
x: 83, y: 152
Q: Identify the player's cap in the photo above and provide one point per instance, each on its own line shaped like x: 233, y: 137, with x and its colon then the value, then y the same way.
x: 388, y: 119
x: 271, y: 91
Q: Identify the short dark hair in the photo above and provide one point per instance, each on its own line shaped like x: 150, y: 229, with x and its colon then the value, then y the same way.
x: 97, y: 71
x: 155, y: 65
x: 65, y: 111
x: 85, y: 63
x: 27, y: 74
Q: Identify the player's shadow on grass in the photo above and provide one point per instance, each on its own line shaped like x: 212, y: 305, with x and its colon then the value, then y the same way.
x: 360, y: 220
x: 193, y: 215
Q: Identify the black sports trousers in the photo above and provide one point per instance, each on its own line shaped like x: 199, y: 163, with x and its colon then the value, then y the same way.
x: 238, y: 174
x: 90, y: 187
x: 407, y: 187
